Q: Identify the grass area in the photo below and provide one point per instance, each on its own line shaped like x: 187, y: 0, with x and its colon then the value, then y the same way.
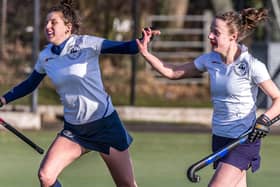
x: 160, y: 159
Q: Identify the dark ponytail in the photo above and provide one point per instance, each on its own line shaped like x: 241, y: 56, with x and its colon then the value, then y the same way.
x: 66, y: 7
x: 245, y: 21
x: 250, y: 19
x: 67, y: 3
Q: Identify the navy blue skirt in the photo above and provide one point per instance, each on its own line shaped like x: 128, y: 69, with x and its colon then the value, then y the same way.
x: 99, y: 135
x: 243, y: 156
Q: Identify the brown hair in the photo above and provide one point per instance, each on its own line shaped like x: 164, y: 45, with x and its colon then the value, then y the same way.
x: 245, y: 21
x: 69, y: 14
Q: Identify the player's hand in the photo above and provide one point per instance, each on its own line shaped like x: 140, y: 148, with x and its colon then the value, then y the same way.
x: 261, y: 128
x: 150, y: 32
x: 2, y: 101
x: 147, y: 36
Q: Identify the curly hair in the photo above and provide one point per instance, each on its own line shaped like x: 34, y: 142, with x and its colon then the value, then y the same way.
x: 245, y: 21
x: 69, y: 14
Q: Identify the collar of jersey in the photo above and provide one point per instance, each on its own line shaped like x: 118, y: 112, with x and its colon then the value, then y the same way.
x: 56, y: 49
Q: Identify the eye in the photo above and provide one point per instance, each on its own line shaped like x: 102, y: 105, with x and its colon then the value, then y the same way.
x: 54, y: 22
x: 216, y: 32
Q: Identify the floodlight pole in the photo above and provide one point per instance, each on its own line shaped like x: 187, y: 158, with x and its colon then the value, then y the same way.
x: 35, y: 50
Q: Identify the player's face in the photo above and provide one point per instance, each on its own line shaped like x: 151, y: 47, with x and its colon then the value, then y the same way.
x: 56, y: 30
x: 220, y: 38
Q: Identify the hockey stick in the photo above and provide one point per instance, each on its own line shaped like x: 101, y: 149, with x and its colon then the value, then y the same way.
x: 191, y: 172
x: 21, y: 136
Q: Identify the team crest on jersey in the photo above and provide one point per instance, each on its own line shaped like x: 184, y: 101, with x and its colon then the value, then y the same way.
x: 241, y: 68
x: 74, y: 51
x: 68, y: 133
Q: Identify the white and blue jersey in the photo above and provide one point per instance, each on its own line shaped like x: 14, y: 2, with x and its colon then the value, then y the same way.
x: 75, y: 72
x: 234, y: 89
x: 73, y: 68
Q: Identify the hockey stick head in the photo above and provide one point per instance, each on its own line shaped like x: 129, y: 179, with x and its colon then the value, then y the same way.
x: 191, y: 174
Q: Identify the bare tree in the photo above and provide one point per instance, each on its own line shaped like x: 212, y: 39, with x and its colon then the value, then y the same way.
x: 222, y: 5
x: 176, y: 7
x: 3, y: 28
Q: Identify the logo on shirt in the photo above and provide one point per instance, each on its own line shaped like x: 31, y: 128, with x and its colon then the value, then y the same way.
x: 241, y: 68
x: 68, y: 133
x: 48, y: 59
x: 74, y: 52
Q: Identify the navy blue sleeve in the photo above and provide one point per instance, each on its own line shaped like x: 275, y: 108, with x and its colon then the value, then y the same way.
x: 117, y: 47
x: 25, y: 87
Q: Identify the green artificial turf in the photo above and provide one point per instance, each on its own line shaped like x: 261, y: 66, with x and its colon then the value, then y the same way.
x: 160, y: 160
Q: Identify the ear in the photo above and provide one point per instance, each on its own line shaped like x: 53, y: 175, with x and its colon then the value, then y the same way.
x: 234, y: 36
x: 69, y: 28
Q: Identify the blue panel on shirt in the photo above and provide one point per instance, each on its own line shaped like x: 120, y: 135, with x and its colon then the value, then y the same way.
x: 24, y: 87
x: 117, y: 47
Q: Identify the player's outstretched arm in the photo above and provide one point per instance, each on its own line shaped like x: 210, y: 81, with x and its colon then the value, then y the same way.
x: 170, y: 71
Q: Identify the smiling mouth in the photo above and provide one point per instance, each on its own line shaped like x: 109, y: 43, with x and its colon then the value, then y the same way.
x: 213, y: 43
x: 49, y: 34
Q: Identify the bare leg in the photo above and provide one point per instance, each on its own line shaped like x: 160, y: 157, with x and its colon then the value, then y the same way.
x: 120, y: 166
x: 229, y: 176
x: 61, y: 153
x: 243, y: 181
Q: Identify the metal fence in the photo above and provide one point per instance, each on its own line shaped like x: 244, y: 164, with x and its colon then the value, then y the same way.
x: 180, y: 44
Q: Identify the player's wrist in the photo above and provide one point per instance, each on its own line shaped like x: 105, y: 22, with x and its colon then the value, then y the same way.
x: 2, y: 101
x: 145, y: 53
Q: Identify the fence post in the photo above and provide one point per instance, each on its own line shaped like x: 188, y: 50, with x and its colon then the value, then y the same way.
x: 208, y: 17
x: 35, y: 50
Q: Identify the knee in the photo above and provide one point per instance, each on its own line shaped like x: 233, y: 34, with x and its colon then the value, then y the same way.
x: 45, y: 177
x: 133, y: 184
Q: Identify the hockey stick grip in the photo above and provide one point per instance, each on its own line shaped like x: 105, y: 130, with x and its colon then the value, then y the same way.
x: 191, y: 172
x: 21, y: 136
